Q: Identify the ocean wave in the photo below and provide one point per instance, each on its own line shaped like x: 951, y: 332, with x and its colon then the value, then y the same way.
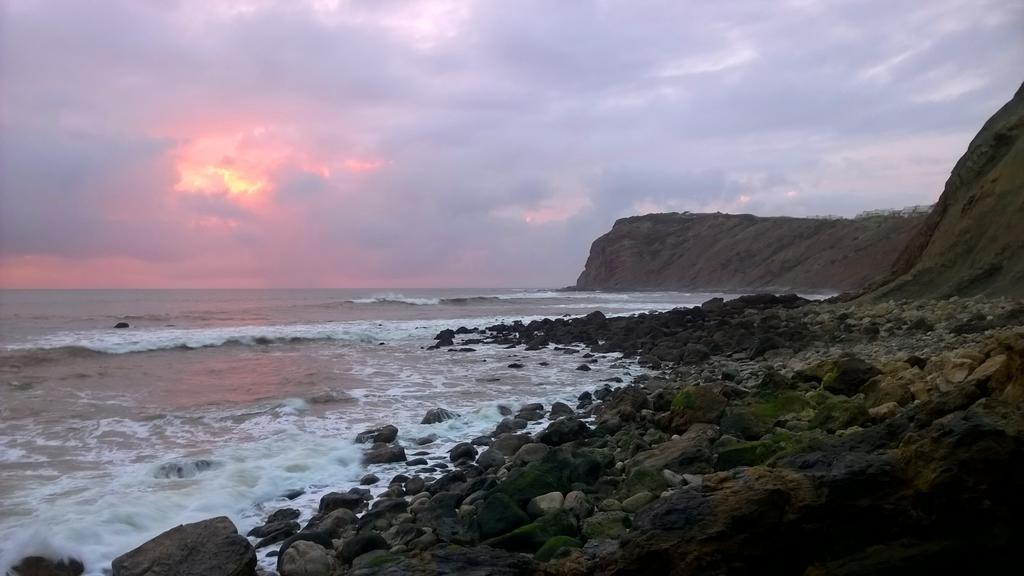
x: 82, y: 344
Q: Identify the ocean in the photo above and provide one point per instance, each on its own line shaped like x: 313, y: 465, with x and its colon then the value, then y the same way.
x: 221, y: 402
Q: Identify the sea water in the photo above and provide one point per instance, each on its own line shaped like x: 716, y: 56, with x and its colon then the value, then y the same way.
x: 220, y: 402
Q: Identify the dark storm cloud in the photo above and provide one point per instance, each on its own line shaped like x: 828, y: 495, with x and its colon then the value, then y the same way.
x: 465, y: 143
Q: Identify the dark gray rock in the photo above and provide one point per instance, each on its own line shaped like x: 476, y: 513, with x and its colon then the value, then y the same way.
x: 209, y: 548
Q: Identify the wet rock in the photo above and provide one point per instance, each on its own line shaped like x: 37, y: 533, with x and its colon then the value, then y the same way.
x: 510, y: 425
x: 637, y: 501
x: 385, y: 434
x: 334, y: 500
x: 515, y: 365
x: 212, y: 547
x: 417, y: 462
x: 436, y: 415
x: 846, y: 375
x: 509, y: 444
x: 275, y: 532
x: 577, y: 504
x: 531, y: 537
x: 560, y: 409
x: 306, y: 559
x: 583, y: 368
x: 384, y: 455
x: 40, y: 566
x: 462, y: 451
x: 424, y: 440
x: 490, y: 458
x: 691, y: 452
x: 532, y: 452
x: 369, y: 480
x: 361, y: 544
x: 499, y: 515
x: 563, y: 430
x: 482, y: 441
x: 121, y: 325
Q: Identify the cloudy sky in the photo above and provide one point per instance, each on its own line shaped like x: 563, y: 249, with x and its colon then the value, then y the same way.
x: 379, y: 143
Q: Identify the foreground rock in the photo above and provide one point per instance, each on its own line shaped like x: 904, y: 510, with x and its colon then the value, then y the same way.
x: 208, y: 548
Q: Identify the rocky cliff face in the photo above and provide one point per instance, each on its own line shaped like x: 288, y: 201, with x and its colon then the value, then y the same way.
x: 973, y: 241
x: 741, y: 251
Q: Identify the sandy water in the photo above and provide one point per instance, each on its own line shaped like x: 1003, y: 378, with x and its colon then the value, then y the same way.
x: 219, y: 402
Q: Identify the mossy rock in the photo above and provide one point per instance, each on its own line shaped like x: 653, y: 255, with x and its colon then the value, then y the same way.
x: 556, y: 472
x: 757, y: 418
x: 499, y: 515
x: 553, y: 545
x: 613, y: 525
x: 833, y: 413
x: 772, y: 447
x: 644, y: 480
x: 531, y: 537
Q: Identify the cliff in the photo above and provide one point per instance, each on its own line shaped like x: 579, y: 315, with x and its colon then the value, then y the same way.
x: 744, y: 252
x: 971, y: 243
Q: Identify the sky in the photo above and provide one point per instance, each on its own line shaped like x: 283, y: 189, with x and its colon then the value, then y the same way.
x: 459, y: 143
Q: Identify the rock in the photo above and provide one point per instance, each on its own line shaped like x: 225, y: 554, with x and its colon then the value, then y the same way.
x: 847, y: 375
x: 531, y: 537
x: 577, y: 505
x: 424, y: 440
x: 545, y: 503
x: 694, y: 353
x: 436, y: 415
x: 440, y: 514
x: 555, y: 545
x: 361, y: 544
x: 482, y: 441
x: 884, y: 411
x: 696, y: 405
x: 385, y: 434
x: 515, y: 365
x: 211, y: 548
x: 334, y: 500
x: 713, y: 305
x: 601, y: 525
x: 384, y: 455
x: 121, y: 325
x: 637, y: 501
x: 369, y: 480
x: 462, y: 451
x: 532, y: 452
x: 689, y: 453
x: 417, y: 462
x: 560, y: 409
x: 563, y: 430
x: 499, y: 515
x: 509, y: 444
x: 414, y: 485
x: 40, y: 566
x: 490, y: 458
x: 273, y: 533
x: 306, y: 559
x: 508, y: 425
x: 583, y: 368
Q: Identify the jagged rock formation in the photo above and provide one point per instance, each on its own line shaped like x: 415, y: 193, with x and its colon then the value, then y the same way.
x: 972, y: 243
x: 744, y: 252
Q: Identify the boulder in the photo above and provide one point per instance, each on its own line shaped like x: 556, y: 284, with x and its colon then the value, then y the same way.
x: 847, y: 375
x: 306, y: 559
x: 490, y: 458
x: 602, y: 525
x: 436, y: 415
x: 563, y: 430
x: 499, y: 515
x: 385, y: 434
x: 462, y: 451
x: 545, y: 504
x: 334, y: 500
x: 509, y: 444
x: 637, y: 501
x: 208, y: 548
x: 531, y: 452
x: 384, y: 455
x: 360, y: 544
x: 40, y: 566
x: 121, y: 325
x: 559, y: 409
x: 690, y: 453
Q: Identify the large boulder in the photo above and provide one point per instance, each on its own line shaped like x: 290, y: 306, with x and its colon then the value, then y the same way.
x: 209, y: 548
x: 563, y: 430
x: 384, y: 455
x: 499, y: 515
x: 305, y: 558
x: 40, y: 566
x: 436, y: 415
x: 385, y: 434
x: 691, y: 453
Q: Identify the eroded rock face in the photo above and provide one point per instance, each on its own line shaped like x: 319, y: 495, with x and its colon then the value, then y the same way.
x: 740, y: 251
x: 971, y: 242
x: 209, y: 548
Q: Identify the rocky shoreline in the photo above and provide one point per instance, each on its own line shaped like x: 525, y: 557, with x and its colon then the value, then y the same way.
x: 774, y: 434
